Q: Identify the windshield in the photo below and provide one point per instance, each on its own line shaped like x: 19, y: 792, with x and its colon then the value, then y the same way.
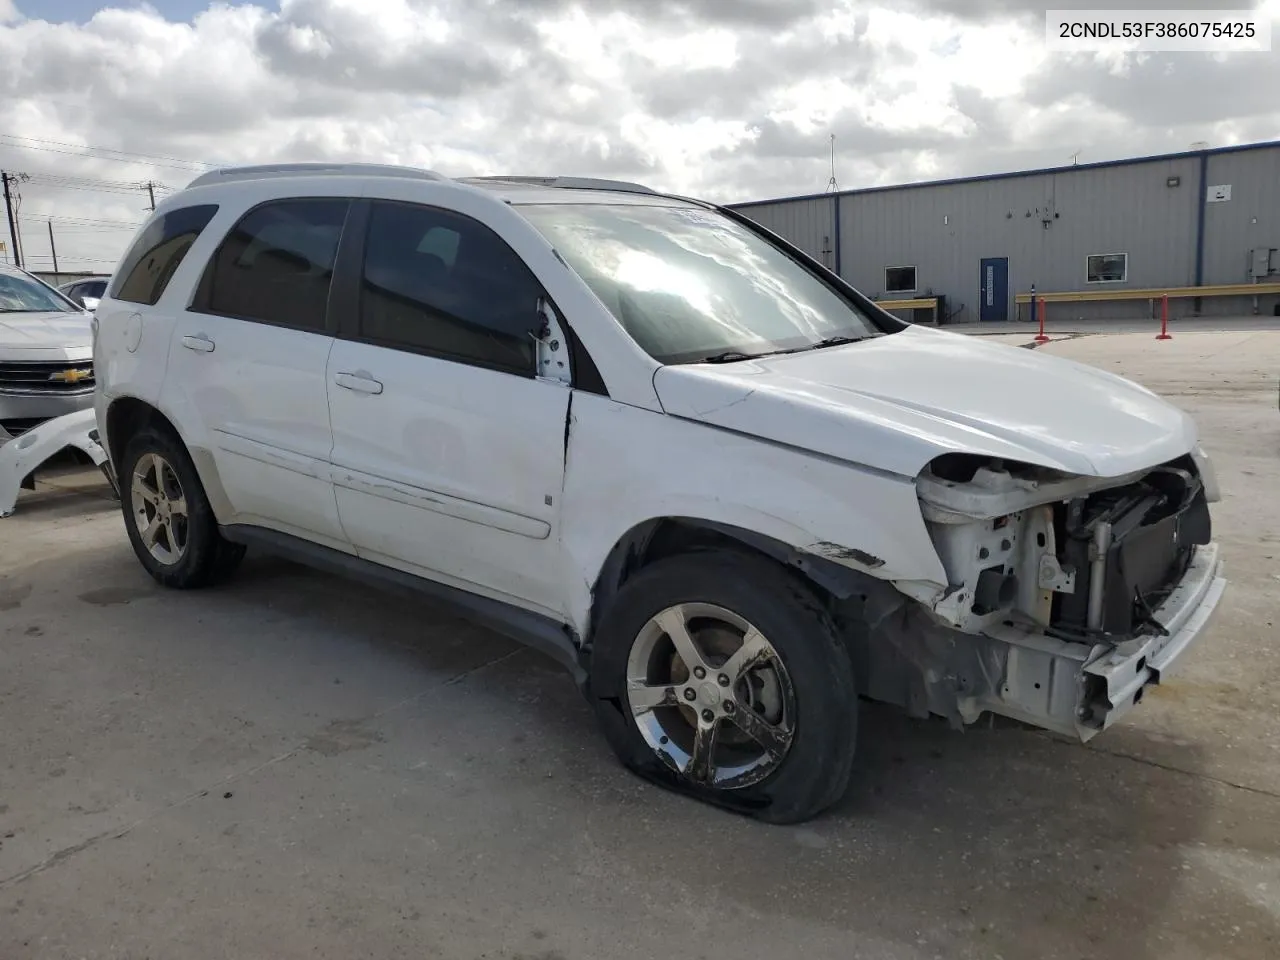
x: 689, y: 284
x: 19, y: 294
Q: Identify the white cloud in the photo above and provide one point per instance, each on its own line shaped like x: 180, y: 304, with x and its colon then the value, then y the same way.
x: 729, y: 100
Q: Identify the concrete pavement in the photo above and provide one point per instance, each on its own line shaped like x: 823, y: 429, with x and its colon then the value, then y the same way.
x: 295, y: 766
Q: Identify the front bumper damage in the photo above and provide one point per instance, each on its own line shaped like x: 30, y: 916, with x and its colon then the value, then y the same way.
x: 22, y: 455
x: 1081, y: 691
x: 904, y: 655
x: 1118, y: 677
x: 1068, y: 598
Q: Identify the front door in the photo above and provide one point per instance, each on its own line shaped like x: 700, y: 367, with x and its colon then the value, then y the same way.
x: 448, y: 455
x: 994, y: 296
x: 247, y: 367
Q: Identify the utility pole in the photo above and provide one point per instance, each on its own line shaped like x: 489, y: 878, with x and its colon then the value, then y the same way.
x: 52, y: 249
x: 13, y: 226
x: 151, y: 192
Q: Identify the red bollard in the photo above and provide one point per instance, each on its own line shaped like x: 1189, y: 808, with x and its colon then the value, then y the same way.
x: 1041, y: 338
x: 1164, y: 319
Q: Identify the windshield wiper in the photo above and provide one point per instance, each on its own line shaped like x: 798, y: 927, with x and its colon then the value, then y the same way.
x: 733, y: 356
x: 830, y: 342
x: 730, y: 356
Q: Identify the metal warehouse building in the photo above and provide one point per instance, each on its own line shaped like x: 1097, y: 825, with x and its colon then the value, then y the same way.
x: 1095, y: 240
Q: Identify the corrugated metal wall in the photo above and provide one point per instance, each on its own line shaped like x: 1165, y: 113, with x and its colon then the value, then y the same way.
x: 1047, y: 224
x: 1251, y: 218
x: 809, y: 224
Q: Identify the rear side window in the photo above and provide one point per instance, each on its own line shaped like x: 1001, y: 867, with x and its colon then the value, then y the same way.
x: 276, y: 264
x: 441, y: 283
x: 150, y: 263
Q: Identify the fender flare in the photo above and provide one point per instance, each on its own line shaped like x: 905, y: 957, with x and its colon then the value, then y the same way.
x: 839, y: 580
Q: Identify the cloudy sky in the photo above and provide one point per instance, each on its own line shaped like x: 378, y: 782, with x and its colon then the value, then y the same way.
x: 728, y: 99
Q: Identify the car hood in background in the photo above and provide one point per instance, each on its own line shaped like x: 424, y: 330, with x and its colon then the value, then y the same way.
x: 896, y: 402
x: 70, y: 331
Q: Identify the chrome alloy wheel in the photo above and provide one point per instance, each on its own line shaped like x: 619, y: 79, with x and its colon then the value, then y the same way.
x: 711, y: 696
x: 159, y: 508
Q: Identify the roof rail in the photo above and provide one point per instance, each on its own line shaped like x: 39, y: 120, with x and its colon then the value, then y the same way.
x: 265, y: 170
x: 569, y: 183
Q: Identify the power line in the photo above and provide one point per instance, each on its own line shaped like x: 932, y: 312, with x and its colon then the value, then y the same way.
x: 88, y: 233
x: 87, y: 189
x: 87, y: 230
x: 57, y: 181
x: 60, y: 218
x: 93, y: 152
x: 85, y: 181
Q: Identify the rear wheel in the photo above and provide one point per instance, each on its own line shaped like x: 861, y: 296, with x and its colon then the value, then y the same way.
x: 168, y: 517
x: 721, y: 676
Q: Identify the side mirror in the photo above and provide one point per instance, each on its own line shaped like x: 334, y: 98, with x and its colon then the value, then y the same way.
x: 90, y: 303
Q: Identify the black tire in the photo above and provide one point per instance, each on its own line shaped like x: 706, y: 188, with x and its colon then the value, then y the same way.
x: 816, y: 769
x: 207, y: 558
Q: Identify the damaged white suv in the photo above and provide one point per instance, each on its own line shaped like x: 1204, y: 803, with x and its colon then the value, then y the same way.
x: 661, y: 445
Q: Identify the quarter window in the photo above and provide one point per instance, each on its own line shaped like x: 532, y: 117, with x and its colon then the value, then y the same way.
x: 150, y: 263
x: 1108, y: 268
x: 276, y: 264
x: 443, y: 284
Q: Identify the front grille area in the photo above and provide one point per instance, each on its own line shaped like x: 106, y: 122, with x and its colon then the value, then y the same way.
x: 59, y: 377
x: 1154, y: 524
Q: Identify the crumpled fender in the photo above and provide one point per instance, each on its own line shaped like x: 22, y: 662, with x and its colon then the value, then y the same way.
x: 20, y: 456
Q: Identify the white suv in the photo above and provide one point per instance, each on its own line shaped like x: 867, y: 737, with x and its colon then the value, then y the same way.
x: 658, y: 443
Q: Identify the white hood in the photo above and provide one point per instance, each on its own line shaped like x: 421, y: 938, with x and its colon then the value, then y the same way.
x: 70, y: 331
x: 896, y: 402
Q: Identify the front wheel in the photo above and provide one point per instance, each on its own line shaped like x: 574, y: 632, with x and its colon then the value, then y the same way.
x: 721, y: 676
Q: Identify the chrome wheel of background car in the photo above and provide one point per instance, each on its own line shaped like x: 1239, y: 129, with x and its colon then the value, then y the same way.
x: 159, y: 508
x: 711, y: 696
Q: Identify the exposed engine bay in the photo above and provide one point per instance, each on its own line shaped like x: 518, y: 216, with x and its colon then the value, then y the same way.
x: 1088, y: 562
x: 1067, y: 595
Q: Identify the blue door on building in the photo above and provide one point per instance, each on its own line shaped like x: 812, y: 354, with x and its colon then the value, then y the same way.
x: 994, y: 298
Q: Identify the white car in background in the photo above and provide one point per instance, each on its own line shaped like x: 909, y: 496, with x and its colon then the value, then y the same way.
x: 662, y: 445
x: 86, y: 292
x: 46, y: 354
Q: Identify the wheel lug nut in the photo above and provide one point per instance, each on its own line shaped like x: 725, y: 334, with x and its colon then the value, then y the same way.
x: 729, y: 707
x: 708, y: 716
x: 723, y: 680
x: 689, y: 694
x: 699, y: 673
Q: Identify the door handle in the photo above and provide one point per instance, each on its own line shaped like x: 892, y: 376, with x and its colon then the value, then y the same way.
x: 200, y: 342
x: 360, y: 382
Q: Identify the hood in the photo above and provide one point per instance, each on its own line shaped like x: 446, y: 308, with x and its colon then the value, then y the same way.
x: 27, y: 330
x: 896, y: 402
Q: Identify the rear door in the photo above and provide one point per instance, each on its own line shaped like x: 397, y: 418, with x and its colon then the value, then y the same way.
x: 248, y: 360
x: 448, y: 456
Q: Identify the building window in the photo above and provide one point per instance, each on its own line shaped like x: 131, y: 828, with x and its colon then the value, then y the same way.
x: 899, y: 279
x: 1107, y: 268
